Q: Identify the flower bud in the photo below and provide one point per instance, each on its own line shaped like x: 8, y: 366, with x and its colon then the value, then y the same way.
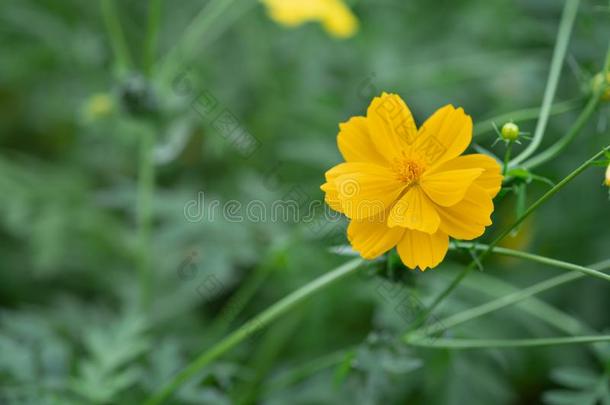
x: 599, y: 84
x: 98, y: 106
x: 510, y: 131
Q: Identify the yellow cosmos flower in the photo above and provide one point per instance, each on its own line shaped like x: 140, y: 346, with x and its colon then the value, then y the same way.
x: 336, y: 18
x: 410, y: 188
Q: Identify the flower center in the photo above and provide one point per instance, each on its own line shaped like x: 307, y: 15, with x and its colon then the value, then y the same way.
x: 408, y: 170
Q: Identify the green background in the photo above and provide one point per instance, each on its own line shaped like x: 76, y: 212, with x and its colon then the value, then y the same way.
x: 70, y: 331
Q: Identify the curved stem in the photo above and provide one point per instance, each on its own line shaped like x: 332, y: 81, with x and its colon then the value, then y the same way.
x: 503, y: 343
x: 520, y: 295
x: 305, y: 370
x: 575, y: 129
x: 254, y: 325
x: 489, y: 285
x: 541, y: 259
x: 445, y: 293
x: 115, y: 33
x: 561, y: 107
x: 563, y: 37
x: 146, y: 185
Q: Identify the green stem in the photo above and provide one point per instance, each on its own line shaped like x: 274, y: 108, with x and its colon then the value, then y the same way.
x: 267, y: 352
x: 240, y: 299
x: 563, y: 37
x: 575, y: 129
x: 503, y: 343
x: 486, y: 284
x: 146, y: 184
x: 541, y: 259
x: 116, y: 36
x: 305, y: 370
x: 507, y: 157
x: 571, y: 325
x: 254, y: 325
x: 561, y: 107
x: 154, y: 16
x: 505, y: 233
x: 519, y: 295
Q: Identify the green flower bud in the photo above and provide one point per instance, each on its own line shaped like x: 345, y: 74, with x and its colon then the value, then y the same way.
x: 510, y: 131
x: 599, y: 84
x: 98, y: 106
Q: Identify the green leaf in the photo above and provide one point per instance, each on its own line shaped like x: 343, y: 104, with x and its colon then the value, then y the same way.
x: 575, y: 377
x: 520, y: 173
x: 343, y: 368
x: 564, y: 397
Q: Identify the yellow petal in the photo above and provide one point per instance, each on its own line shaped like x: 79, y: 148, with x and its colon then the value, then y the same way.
x: 445, y: 135
x: 391, y: 125
x: 491, y: 178
x: 372, y: 237
x: 331, y: 196
x: 339, y: 20
x: 447, y: 188
x: 292, y: 13
x: 355, y: 144
x: 365, y: 189
x: 415, y: 211
x: 419, y: 249
x: 467, y: 219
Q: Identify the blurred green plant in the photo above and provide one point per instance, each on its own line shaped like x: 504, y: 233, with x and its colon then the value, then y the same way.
x: 101, y: 152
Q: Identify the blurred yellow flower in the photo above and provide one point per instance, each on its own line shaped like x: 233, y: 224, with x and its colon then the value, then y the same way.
x: 607, y: 181
x: 99, y: 105
x: 336, y: 18
x: 598, y: 83
x: 410, y: 188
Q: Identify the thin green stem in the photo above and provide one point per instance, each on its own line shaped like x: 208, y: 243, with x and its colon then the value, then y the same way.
x: 267, y: 352
x: 547, y: 196
x: 305, y: 370
x: 575, y: 129
x: 244, y: 294
x: 519, y: 295
x: 458, y: 279
x: 489, y: 285
x: 254, y: 325
x: 563, y: 37
x: 146, y: 185
x: 503, y: 343
x: 116, y: 36
x: 561, y: 107
x: 152, y: 35
x: 542, y: 259
x: 507, y: 157
x: 560, y: 320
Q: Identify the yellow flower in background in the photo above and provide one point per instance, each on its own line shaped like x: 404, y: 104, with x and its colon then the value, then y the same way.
x: 607, y: 181
x: 336, y: 18
x: 598, y: 83
x: 98, y: 106
x: 410, y: 188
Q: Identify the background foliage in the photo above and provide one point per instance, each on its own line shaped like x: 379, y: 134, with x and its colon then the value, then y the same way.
x: 70, y: 123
